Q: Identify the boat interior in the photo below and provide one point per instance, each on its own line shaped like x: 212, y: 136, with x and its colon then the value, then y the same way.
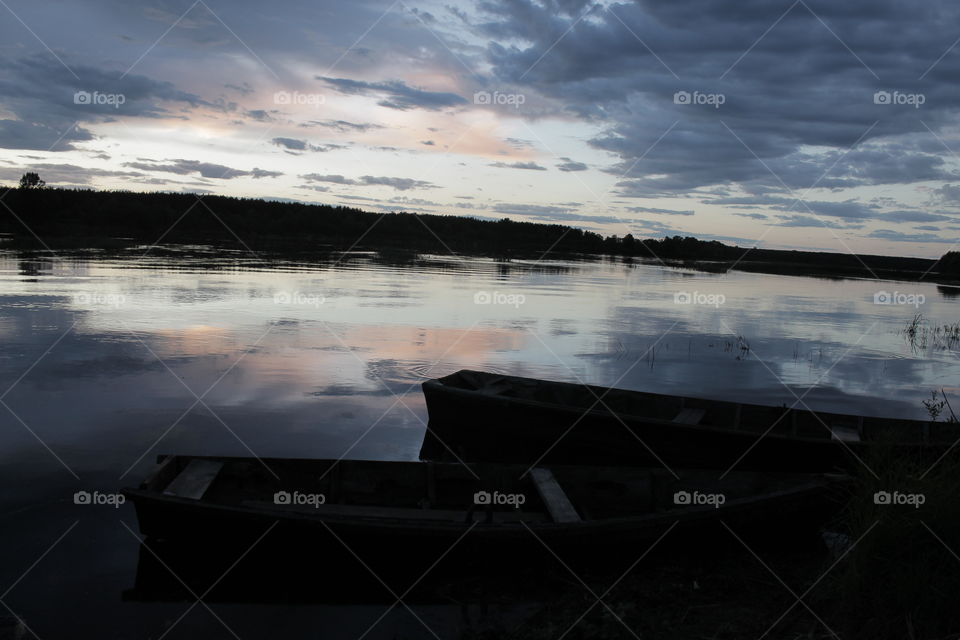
x: 449, y: 491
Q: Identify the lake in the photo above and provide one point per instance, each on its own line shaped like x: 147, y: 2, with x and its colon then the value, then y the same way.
x: 108, y: 360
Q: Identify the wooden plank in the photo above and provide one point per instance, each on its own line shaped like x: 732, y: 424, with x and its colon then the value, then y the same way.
x: 553, y: 496
x: 844, y: 432
x: 690, y: 416
x: 431, y: 487
x: 160, y: 471
x: 194, y: 480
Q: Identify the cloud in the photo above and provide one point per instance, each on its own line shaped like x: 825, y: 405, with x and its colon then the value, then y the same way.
x: 54, y: 173
x: 898, y: 236
x: 533, y: 166
x: 398, y: 95
x: 244, y: 89
x: 343, y: 126
x: 798, y: 107
x: 915, y: 216
x: 400, y: 184
x: 530, y: 209
x: 667, y: 212
x: 571, y: 165
x: 294, y: 145
x: 263, y: 173
x: 205, y: 169
x: 552, y: 213
x: 336, y: 179
x: 800, y: 220
x: 51, y: 104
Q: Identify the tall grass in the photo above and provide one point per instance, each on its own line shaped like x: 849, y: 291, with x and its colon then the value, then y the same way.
x: 919, y: 333
x: 901, y: 577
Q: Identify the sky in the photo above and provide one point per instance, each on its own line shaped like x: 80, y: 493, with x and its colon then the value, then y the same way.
x: 780, y: 124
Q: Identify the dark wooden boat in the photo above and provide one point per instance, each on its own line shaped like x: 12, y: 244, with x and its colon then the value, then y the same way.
x: 477, y: 416
x: 408, y: 509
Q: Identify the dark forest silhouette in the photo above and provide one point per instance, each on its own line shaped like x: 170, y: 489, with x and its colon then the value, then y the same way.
x: 75, y: 217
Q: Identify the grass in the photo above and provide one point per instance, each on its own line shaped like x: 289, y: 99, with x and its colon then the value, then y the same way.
x: 681, y: 595
x: 901, y: 577
x: 919, y: 333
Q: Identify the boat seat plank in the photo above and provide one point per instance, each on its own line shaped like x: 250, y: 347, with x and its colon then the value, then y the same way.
x: 690, y: 416
x: 847, y: 433
x: 553, y: 496
x: 392, y: 513
x: 194, y: 480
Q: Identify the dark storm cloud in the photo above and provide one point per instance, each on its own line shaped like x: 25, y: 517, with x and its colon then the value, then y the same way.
x: 791, y: 106
x: 50, y: 101
x: 397, y: 94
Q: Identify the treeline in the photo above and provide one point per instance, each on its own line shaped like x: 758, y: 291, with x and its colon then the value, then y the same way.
x: 60, y: 216
x: 183, y: 218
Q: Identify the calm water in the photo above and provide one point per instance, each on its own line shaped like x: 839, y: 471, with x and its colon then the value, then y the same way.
x: 103, y: 360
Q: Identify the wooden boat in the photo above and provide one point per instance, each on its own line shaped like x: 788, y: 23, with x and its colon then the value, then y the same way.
x: 477, y: 416
x: 408, y: 509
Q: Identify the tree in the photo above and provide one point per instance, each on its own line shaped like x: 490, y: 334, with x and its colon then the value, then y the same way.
x: 950, y: 263
x: 31, y: 180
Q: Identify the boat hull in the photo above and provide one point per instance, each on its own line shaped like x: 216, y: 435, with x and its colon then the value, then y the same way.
x: 472, y: 425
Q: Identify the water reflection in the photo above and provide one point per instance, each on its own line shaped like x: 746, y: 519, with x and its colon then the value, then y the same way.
x: 112, y: 359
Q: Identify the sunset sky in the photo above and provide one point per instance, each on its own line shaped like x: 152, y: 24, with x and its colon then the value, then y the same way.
x: 806, y: 124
